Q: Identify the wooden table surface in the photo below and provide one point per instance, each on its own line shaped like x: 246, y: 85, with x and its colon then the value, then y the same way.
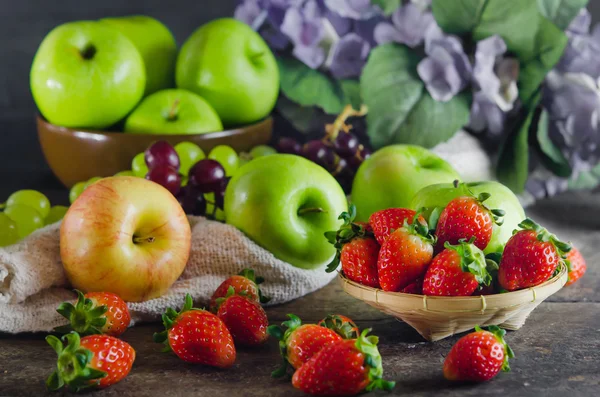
x: 557, y: 351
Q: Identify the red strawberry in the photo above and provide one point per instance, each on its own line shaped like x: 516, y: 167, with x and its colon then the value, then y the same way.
x: 245, y: 319
x: 530, y: 257
x: 577, y: 265
x: 343, y: 368
x: 478, y: 356
x: 245, y: 283
x: 95, y: 361
x: 456, y: 271
x: 197, y: 336
x: 342, y: 325
x: 300, y: 342
x: 404, y: 256
x: 416, y: 287
x: 384, y: 222
x: 357, y: 249
x: 95, y: 313
x: 465, y: 218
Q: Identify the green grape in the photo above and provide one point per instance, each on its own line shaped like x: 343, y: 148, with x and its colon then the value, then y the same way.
x: 227, y: 157
x: 26, y: 218
x: 76, y: 191
x: 189, y: 154
x: 56, y: 214
x: 262, y: 150
x: 210, y: 199
x: 91, y: 181
x: 138, y: 165
x: 125, y: 173
x: 31, y: 198
x: 8, y: 231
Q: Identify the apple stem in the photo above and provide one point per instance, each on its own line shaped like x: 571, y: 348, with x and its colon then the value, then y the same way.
x: 172, y: 116
x: 303, y: 211
x: 139, y: 240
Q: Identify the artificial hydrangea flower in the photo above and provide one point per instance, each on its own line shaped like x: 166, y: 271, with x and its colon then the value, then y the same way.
x: 348, y: 56
x: 582, y: 54
x: 353, y: 9
x: 486, y: 115
x: 446, y: 70
x: 409, y: 25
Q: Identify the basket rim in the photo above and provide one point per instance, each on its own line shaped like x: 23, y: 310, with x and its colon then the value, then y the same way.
x: 458, y: 304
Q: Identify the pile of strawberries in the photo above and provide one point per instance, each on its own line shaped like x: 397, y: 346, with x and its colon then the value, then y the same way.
x: 398, y: 250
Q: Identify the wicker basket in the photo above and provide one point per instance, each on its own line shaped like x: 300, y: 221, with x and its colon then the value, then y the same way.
x: 437, y: 318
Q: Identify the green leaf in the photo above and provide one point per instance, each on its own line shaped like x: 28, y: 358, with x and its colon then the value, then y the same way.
x: 390, y: 88
x: 309, y: 87
x: 301, y: 117
x: 584, y: 181
x: 561, y: 12
x: 458, y: 16
x: 432, y: 122
x: 351, y: 89
x: 387, y: 6
x: 554, y: 159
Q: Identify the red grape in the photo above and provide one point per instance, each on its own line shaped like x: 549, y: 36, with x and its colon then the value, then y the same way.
x: 167, y: 177
x: 192, y: 201
x: 206, y: 175
x: 345, y: 144
x: 162, y: 153
x: 289, y: 145
x: 220, y: 194
x: 318, y: 152
x: 361, y: 155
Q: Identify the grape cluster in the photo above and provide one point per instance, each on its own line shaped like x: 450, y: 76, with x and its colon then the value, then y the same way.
x: 339, y: 151
x: 24, y: 212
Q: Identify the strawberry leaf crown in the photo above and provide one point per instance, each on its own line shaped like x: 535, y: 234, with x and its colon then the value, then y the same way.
x: 249, y: 274
x: 345, y: 329
x: 72, y: 367
x: 496, y: 213
x: 544, y: 236
x: 84, y: 317
x: 169, y: 317
x: 275, y: 331
x: 419, y: 227
x: 472, y: 260
x: 499, y: 333
x: 368, y: 346
x: 344, y: 235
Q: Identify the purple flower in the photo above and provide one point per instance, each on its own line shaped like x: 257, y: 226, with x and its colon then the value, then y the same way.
x: 348, y: 56
x: 304, y: 27
x: 409, y: 25
x: 582, y: 54
x: 581, y: 23
x: 250, y: 12
x: 446, y: 70
x: 353, y: 9
x: 486, y: 115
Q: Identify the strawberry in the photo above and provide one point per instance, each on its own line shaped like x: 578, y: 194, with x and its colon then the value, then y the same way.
x: 343, y: 368
x: 356, y: 248
x: 384, y: 222
x: 404, y: 256
x: 197, y: 336
x: 530, y: 257
x: 95, y: 313
x: 299, y: 342
x: 416, y: 287
x: 245, y: 319
x: 577, y: 265
x: 342, y: 325
x: 478, y: 356
x: 467, y: 217
x: 456, y: 271
x: 95, y: 361
x: 245, y: 283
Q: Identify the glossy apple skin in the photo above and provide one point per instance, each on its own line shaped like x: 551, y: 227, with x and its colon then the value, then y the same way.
x: 263, y: 199
x: 190, y: 113
x: 73, y: 91
x: 156, y: 45
x: 439, y: 195
x: 392, y: 176
x: 230, y: 65
x: 97, y: 234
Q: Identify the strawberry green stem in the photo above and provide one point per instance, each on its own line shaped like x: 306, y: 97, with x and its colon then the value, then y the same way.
x: 84, y: 317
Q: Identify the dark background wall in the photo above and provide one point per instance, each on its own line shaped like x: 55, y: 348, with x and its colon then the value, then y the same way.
x: 24, y: 23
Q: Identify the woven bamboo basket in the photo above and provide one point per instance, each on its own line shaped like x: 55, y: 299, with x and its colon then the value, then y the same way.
x: 436, y: 317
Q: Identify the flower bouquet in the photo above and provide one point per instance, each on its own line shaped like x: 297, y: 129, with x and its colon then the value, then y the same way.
x: 520, y: 75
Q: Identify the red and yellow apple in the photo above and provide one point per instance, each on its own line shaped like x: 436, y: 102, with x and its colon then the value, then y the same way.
x: 125, y: 235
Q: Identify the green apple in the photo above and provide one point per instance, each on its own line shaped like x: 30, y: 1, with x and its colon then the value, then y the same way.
x: 86, y: 74
x: 231, y: 66
x: 286, y: 203
x: 174, y: 111
x: 156, y: 44
x: 439, y: 195
x: 392, y: 176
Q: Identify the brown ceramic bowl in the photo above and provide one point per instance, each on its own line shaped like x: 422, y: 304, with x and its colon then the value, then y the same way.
x: 76, y: 155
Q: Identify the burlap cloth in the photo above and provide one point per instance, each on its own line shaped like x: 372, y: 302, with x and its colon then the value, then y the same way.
x: 33, y: 283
